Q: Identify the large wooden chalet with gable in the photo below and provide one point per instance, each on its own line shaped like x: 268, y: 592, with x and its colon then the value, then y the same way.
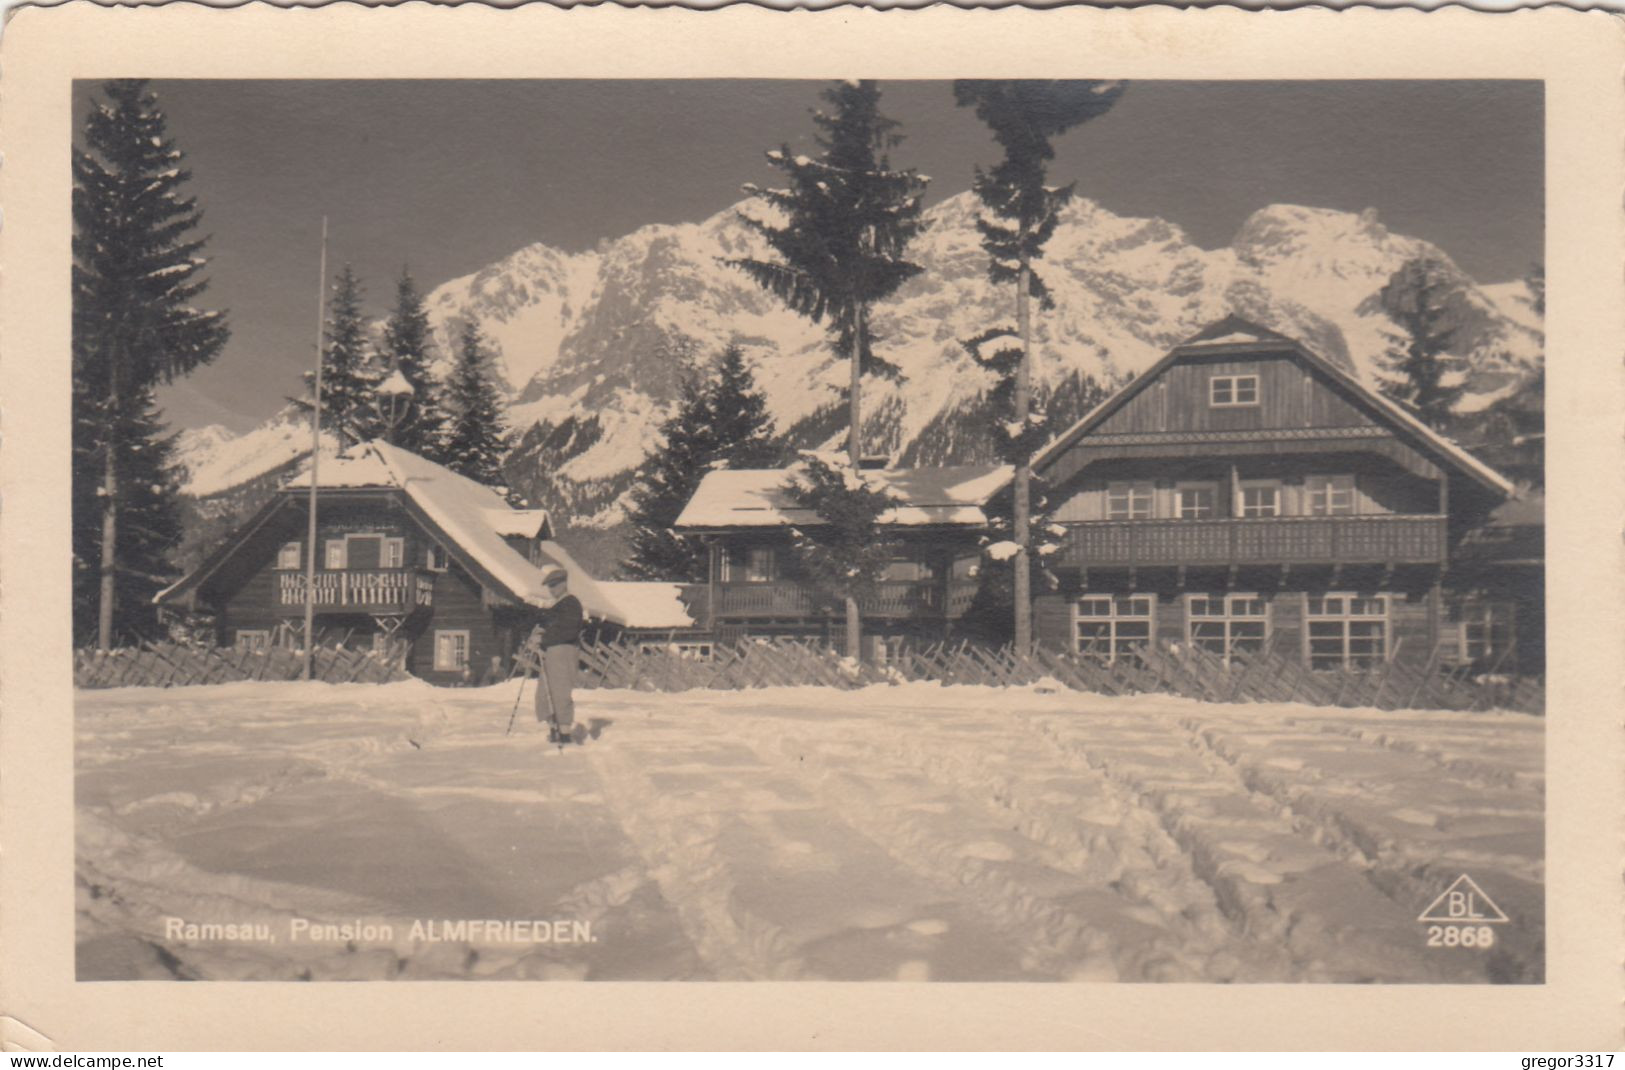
x: 1245, y: 491
x: 754, y: 589
x: 409, y: 554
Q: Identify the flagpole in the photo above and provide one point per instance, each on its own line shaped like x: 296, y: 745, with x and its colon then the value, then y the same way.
x: 315, y: 461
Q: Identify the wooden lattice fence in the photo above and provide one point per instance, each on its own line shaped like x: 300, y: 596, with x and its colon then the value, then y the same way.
x: 1268, y: 675
x: 178, y: 665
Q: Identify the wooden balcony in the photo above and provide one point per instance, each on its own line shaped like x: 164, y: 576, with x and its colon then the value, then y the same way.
x: 895, y: 600
x: 1306, y: 540
x: 380, y: 590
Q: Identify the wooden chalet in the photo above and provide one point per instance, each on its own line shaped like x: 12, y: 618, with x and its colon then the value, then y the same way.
x: 1245, y: 491
x: 411, y: 557
x: 754, y: 589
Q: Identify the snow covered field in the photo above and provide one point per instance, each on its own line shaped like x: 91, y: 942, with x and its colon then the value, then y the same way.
x: 903, y: 833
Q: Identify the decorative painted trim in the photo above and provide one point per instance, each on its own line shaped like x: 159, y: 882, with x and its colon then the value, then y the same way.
x: 1132, y: 438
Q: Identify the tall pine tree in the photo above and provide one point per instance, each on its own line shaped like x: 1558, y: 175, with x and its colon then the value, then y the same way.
x: 1024, y: 117
x: 349, y: 373
x: 408, y: 349
x: 477, y: 434
x: 848, y: 219
x: 136, y: 275
x: 1421, y: 371
x: 721, y: 421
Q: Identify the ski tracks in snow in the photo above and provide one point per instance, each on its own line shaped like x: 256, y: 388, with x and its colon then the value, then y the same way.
x: 681, y: 851
x: 910, y: 834
x: 1298, y: 857
x: 1081, y: 879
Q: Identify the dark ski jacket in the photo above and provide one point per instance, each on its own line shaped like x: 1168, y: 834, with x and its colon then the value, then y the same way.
x: 563, y: 622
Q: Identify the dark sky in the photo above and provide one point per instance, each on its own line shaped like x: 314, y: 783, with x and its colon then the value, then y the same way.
x: 448, y: 176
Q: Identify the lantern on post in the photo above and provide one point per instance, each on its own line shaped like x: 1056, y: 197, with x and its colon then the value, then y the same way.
x: 394, y: 403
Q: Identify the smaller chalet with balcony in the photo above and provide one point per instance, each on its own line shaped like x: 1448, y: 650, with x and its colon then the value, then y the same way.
x: 410, y: 557
x: 754, y: 589
x: 1245, y: 491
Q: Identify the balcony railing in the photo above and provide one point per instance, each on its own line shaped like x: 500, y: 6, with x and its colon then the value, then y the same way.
x: 924, y: 598
x: 1313, y: 540
x: 386, y: 589
x: 764, y: 600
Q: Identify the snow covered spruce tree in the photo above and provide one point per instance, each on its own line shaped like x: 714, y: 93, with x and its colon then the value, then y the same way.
x: 844, y: 222
x: 136, y: 274
x: 349, y: 372
x: 1511, y: 433
x: 1420, y: 371
x: 737, y: 412
x: 477, y: 440
x: 420, y: 423
x: 844, y: 553
x: 720, y: 421
x: 1024, y: 117
x: 999, y: 592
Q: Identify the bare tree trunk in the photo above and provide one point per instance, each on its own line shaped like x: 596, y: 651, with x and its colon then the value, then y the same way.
x: 854, y: 429
x: 109, y: 562
x: 854, y: 450
x: 1023, y: 490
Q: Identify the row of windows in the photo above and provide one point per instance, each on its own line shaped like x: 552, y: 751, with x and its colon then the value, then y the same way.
x: 357, y: 551
x: 1344, y: 631
x: 1323, y: 496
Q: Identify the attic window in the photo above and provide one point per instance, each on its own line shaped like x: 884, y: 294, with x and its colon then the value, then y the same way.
x: 1232, y: 390
x: 289, y: 556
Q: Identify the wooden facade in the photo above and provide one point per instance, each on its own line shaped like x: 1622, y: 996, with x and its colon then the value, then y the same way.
x: 754, y: 587
x: 428, y: 597
x: 1243, y: 491
x: 410, y: 558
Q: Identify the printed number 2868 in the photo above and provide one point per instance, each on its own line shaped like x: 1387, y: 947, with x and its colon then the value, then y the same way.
x: 1460, y: 936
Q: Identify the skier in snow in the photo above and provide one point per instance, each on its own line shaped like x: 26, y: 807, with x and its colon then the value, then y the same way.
x: 555, y: 697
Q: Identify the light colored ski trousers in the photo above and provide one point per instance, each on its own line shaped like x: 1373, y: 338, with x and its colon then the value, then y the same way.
x: 555, y: 693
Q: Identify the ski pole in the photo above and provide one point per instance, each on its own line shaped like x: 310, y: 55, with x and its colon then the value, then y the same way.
x: 521, y: 694
x: 516, y: 699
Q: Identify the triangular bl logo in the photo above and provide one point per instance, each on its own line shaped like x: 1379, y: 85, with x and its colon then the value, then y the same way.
x: 1463, y: 903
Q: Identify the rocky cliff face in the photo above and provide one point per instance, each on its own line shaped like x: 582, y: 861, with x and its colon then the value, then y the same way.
x: 592, y: 345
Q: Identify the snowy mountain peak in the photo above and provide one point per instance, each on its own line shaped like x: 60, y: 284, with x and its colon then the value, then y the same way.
x: 593, y: 345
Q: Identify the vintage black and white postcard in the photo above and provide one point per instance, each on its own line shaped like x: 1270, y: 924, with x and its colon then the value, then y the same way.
x: 904, y: 528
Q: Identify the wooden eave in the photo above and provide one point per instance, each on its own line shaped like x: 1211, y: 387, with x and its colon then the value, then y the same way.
x: 189, y: 583
x: 1356, y: 392
x: 298, y: 496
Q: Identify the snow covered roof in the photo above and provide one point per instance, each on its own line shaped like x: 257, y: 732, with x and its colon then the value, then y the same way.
x: 649, y: 605
x: 471, y: 517
x: 1525, y: 510
x: 1232, y: 334
x: 462, y: 509
x: 395, y: 383
x: 590, y: 592
x: 524, y: 523
x: 756, y: 497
